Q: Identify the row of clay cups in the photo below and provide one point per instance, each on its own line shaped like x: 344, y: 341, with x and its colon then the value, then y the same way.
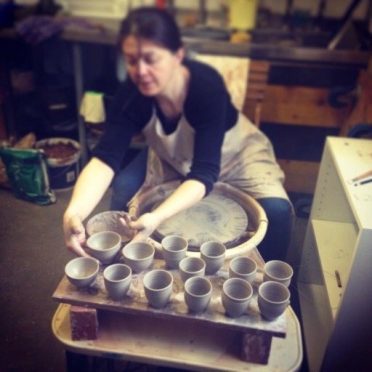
x: 246, y: 268
x: 174, y: 251
x: 104, y: 247
x: 273, y: 297
x: 237, y: 290
x: 212, y: 257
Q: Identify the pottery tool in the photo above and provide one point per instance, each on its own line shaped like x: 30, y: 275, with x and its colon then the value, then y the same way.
x: 363, y: 182
x: 362, y: 176
x: 338, y: 279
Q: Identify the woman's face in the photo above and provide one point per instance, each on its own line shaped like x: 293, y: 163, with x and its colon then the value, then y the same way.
x: 150, y: 66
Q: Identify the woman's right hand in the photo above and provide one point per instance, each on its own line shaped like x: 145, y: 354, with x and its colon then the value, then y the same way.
x: 74, y: 234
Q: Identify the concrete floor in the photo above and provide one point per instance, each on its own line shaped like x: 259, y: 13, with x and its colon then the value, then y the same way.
x: 32, y: 260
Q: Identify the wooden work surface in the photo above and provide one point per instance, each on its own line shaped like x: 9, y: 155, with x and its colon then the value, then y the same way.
x: 174, y: 343
x: 136, y: 303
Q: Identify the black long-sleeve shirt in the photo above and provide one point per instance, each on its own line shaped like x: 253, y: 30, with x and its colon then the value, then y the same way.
x: 207, y: 108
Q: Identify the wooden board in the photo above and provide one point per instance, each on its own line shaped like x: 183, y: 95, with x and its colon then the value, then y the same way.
x: 362, y: 112
x: 136, y: 303
x: 302, y: 106
x: 193, y: 347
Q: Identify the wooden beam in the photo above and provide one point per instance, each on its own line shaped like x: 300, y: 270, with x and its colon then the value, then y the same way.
x: 300, y: 176
x: 302, y: 106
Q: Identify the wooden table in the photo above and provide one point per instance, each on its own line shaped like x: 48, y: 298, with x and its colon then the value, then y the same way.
x: 131, y: 330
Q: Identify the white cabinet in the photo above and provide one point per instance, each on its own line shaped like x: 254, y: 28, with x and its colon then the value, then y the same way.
x: 335, y: 276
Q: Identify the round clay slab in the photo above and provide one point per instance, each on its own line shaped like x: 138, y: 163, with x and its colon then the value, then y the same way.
x: 216, y: 217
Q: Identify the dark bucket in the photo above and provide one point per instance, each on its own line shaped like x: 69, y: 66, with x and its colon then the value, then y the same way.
x: 63, y: 161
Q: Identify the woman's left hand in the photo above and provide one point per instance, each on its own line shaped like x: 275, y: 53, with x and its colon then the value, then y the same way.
x: 143, y: 227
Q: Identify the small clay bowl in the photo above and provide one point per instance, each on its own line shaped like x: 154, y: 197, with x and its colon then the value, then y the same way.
x: 82, y: 271
x: 104, y: 246
x: 138, y: 255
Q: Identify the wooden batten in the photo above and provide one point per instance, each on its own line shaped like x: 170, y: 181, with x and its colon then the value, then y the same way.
x: 301, y: 176
x: 301, y: 106
x: 362, y: 112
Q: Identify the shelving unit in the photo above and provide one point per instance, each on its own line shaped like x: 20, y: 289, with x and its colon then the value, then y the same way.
x: 335, y: 274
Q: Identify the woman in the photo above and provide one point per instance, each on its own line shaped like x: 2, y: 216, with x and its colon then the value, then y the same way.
x: 194, y: 134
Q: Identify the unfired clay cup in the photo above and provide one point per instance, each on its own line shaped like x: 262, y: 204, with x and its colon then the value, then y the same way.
x: 213, y: 253
x: 273, y: 299
x: 278, y: 271
x: 104, y: 246
x: 158, y: 287
x: 198, y: 293
x: 243, y: 268
x: 191, y: 266
x: 117, y: 279
x: 138, y: 255
x: 82, y: 271
x: 174, y: 249
x: 236, y: 295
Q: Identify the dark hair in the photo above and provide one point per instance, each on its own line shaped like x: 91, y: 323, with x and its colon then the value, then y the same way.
x: 152, y: 24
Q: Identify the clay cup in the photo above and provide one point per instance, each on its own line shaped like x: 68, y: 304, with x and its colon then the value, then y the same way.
x: 104, y: 246
x: 82, y: 271
x: 243, y: 268
x: 278, y: 271
x: 138, y: 255
x: 236, y: 295
x: 273, y: 299
x: 174, y: 249
x: 158, y: 287
x: 117, y: 279
x: 213, y: 253
x: 191, y: 266
x: 198, y: 293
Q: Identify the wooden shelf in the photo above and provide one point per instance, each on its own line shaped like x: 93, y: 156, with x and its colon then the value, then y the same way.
x: 335, y: 267
x: 335, y: 242
x: 314, y: 302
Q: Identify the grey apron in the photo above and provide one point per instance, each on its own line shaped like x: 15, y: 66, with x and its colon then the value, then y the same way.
x: 247, y: 161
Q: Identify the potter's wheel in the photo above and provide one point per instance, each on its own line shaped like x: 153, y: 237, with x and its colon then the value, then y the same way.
x: 216, y: 217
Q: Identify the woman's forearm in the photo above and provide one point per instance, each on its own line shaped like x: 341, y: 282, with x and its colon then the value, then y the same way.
x: 185, y: 196
x: 90, y: 187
